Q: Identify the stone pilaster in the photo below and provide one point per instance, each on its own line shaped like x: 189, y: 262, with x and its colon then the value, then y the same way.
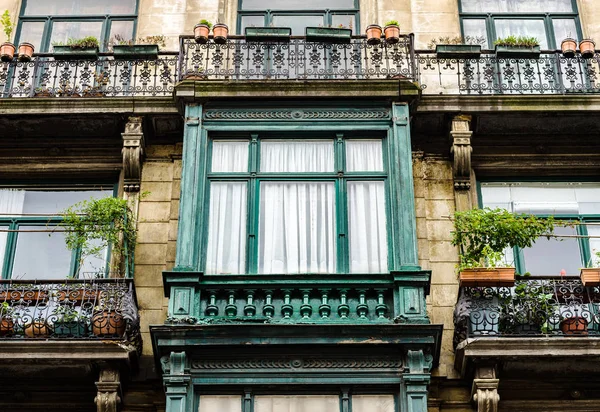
x: 485, y: 389
x: 133, y: 154
x: 109, y: 386
x: 177, y: 381
x: 415, y: 380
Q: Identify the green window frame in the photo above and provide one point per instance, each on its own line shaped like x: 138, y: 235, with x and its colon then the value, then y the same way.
x: 16, y: 224
x: 41, y: 36
x: 330, y: 15
x: 340, y: 176
x: 551, y: 40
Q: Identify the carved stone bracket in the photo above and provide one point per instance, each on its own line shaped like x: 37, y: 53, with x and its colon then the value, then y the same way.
x: 133, y: 154
x: 485, y: 389
x: 109, y: 385
x: 461, y: 151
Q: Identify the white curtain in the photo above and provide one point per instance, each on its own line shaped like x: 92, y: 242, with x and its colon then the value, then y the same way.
x: 297, y: 403
x: 229, y: 156
x: 297, y: 227
x: 11, y: 201
x: 226, y: 249
x: 367, y: 227
x: 373, y: 403
x: 364, y: 156
x: 296, y: 156
x: 220, y: 403
x: 516, y: 6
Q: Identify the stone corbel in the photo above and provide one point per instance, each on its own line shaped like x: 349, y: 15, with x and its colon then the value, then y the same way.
x: 461, y: 150
x: 485, y: 389
x: 109, y: 386
x: 133, y: 154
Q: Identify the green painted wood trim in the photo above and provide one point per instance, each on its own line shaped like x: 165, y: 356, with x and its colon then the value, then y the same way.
x: 177, y: 383
x: 193, y: 182
x: 413, y: 389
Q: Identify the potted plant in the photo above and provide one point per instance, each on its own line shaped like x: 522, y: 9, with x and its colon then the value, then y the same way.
x: 392, y: 32
x: 518, y: 47
x: 69, y: 322
x: 220, y: 33
x: 337, y: 35
x: 37, y: 329
x: 530, y: 309
x: 587, y: 48
x: 568, y: 47
x: 7, y: 49
x: 482, y: 235
x: 25, y: 51
x: 108, y: 323
x: 201, y: 31
x: 7, y: 324
x: 457, y: 48
x: 98, y: 87
x: 144, y: 48
x: 86, y: 48
x: 590, y: 275
x: 374, y: 32
x: 268, y: 34
x: 572, y: 320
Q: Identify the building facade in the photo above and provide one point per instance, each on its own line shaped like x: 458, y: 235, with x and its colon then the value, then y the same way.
x: 293, y: 203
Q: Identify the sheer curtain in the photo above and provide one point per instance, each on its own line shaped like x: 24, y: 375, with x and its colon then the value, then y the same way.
x: 297, y: 227
x: 229, y: 156
x: 364, y: 156
x: 220, y: 403
x: 226, y: 249
x: 296, y: 156
x: 297, y: 403
x: 373, y: 403
x: 367, y: 227
x: 11, y: 201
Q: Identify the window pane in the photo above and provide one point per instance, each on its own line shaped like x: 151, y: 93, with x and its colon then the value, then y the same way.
x: 41, y: 202
x: 63, y: 30
x: 346, y: 20
x: 475, y: 28
x: 367, y: 227
x: 297, y: 22
x: 522, y: 27
x: 296, y: 4
x: 364, y: 155
x: 297, y: 227
x: 32, y: 32
x: 373, y: 403
x: 252, y: 21
x: 94, y: 266
x: 39, y: 256
x: 594, y: 230
x: 78, y: 7
x: 296, y: 156
x: 229, y: 156
x: 516, y: 6
x: 296, y: 403
x: 564, y: 28
x: 551, y: 256
x: 226, y: 249
x: 123, y: 28
x: 220, y: 403
x: 3, y: 240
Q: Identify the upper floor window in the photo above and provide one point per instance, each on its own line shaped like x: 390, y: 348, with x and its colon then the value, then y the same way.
x: 43, y: 22
x: 298, y: 14
x: 550, y: 21
x: 578, y: 202
x: 31, y: 245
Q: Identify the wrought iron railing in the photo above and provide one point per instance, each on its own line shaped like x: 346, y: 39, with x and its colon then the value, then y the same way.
x: 534, y: 306
x: 238, y: 59
x: 551, y: 73
x: 44, y: 76
x: 69, y: 309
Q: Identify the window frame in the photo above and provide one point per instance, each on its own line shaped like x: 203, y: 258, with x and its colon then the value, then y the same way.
x: 14, y: 222
x: 253, y: 177
x: 546, y: 17
x: 106, y: 19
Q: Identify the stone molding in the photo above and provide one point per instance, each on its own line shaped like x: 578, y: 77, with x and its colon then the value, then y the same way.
x: 485, y: 389
x: 133, y: 154
x: 109, y: 386
x: 296, y: 114
x: 297, y: 363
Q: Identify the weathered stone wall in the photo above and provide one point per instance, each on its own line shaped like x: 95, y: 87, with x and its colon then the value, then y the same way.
x: 13, y: 7
x: 589, y: 15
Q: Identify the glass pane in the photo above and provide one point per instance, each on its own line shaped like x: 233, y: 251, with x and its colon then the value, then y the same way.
x: 252, y: 21
x: 346, y: 20
x: 31, y: 32
x: 297, y: 22
x: 564, y: 28
x: 364, y: 156
x: 94, y: 266
x: 39, y: 256
x: 229, y: 156
x: 78, y: 7
x: 522, y: 27
x: 296, y: 403
x: 476, y: 28
x: 367, y: 227
x: 3, y: 240
x: 226, y: 249
x: 19, y: 201
x: 373, y: 403
x: 123, y: 28
x: 220, y: 403
x: 554, y: 256
x: 296, y: 4
x: 296, y: 156
x: 297, y: 227
x: 594, y: 230
x: 516, y: 6
x: 63, y: 30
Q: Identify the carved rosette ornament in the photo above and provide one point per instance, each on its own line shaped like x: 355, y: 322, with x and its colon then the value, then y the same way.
x: 133, y: 154
x: 485, y: 389
x: 461, y: 150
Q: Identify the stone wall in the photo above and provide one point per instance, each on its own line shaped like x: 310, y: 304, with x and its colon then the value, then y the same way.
x: 14, y: 8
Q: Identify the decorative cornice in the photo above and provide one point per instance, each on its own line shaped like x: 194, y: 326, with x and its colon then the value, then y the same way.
x: 296, y: 114
x: 297, y: 363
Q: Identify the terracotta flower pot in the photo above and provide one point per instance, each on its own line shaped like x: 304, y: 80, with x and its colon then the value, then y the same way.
x: 7, y: 52
x: 79, y: 295
x: 488, y: 277
x: 587, y: 48
x: 25, y: 52
x: 37, y: 330
x: 201, y: 32
x: 590, y: 276
x: 576, y: 325
x: 392, y: 33
x: 25, y: 295
x: 108, y: 323
x: 374, y: 32
x: 220, y: 32
x: 7, y: 326
x: 569, y: 47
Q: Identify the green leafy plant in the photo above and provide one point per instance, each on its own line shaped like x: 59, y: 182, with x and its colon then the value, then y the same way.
x: 206, y: 22
x: 531, y: 304
x: 66, y: 314
x: 159, y: 40
x: 88, y: 42
x: 483, y: 234
x: 96, y: 224
x: 7, y: 24
x: 475, y: 40
x: 520, y: 41
x: 6, y: 311
x: 392, y: 23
